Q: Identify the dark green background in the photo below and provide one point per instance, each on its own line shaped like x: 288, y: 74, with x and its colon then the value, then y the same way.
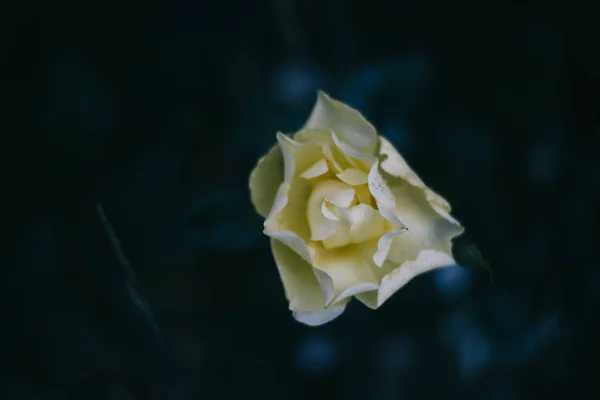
x: 159, y: 110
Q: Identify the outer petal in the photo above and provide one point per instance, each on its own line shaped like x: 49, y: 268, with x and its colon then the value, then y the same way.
x: 299, y: 281
x: 383, y: 196
x: 287, y: 220
x: 397, y: 277
x: 395, y: 165
x: 427, y: 242
x: 349, y: 272
x: 426, y: 228
x: 383, y: 246
x: 265, y: 179
x: 320, y: 317
x: 316, y: 136
x: 350, y: 126
x: 302, y: 288
x: 401, y: 194
x: 386, y: 203
x: 354, y: 157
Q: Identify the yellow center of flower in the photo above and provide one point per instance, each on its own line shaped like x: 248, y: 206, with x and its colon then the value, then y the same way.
x: 341, y: 210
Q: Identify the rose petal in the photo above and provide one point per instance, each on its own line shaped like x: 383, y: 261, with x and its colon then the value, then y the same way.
x: 265, y: 180
x: 397, y: 277
x: 358, y: 224
x: 336, y: 193
x: 320, y: 317
x: 293, y: 241
x: 383, y: 246
x: 353, y: 176
x: 401, y: 195
x: 365, y: 223
x: 299, y: 281
x: 317, y: 169
x: 313, y: 136
x: 281, y: 200
x: 383, y: 196
x: 395, y: 165
x: 364, y: 195
x: 328, y: 153
x: 353, y: 157
x: 341, y: 236
x: 325, y: 282
x: 351, y: 127
x: 297, y: 156
x: 426, y: 228
x: 349, y: 271
x: 287, y: 219
x: 328, y: 211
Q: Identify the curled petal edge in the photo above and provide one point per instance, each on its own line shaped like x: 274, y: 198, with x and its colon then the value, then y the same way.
x: 265, y: 179
x: 328, y: 114
x: 426, y: 260
x: 320, y: 317
x: 392, y: 163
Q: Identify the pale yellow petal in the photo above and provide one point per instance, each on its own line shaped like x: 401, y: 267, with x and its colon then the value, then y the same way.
x: 313, y: 136
x: 328, y: 153
x: 279, y: 203
x: 287, y: 220
x: 320, y: 317
x: 427, y: 241
x: 289, y: 148
x: 383, y: 196
x: 350, y: 126
x: 353, y: 176
x: 329, y: 211
x: 317, y: 169
x: 265, y: 179
x: 299, y: 281
x: 383, y: 246
x: 353, y: 157
x: 341, y: 236
x: 426, y: 228
x: 369, y: 299
x: 297, y: 157
x: 338, y: 194
x: 349, y: 271
x: 365, y: 223
x: 364, y: 195
x: 395, y: 165
x: 403, y: 197
x: 355, y: 225
x: 293, y: 241
x: 397, y: 277
x: 325, y: 282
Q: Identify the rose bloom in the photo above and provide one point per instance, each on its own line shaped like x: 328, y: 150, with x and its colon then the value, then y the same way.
x: 346, y: 215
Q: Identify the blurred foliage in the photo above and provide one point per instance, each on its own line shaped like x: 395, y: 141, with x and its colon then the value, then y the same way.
x: 158, y: 111
x: 467, y: 254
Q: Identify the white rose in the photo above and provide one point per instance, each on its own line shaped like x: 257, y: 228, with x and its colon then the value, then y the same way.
x: 346, y: 215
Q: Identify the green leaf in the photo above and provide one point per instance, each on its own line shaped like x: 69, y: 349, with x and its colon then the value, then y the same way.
x: 468, y: 255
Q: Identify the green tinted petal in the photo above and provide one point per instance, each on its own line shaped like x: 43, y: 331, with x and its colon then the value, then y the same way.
x: 348, y: 124
x: 265, y: 180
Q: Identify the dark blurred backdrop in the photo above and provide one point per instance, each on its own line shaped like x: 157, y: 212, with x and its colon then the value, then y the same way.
x: 159, y: 110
